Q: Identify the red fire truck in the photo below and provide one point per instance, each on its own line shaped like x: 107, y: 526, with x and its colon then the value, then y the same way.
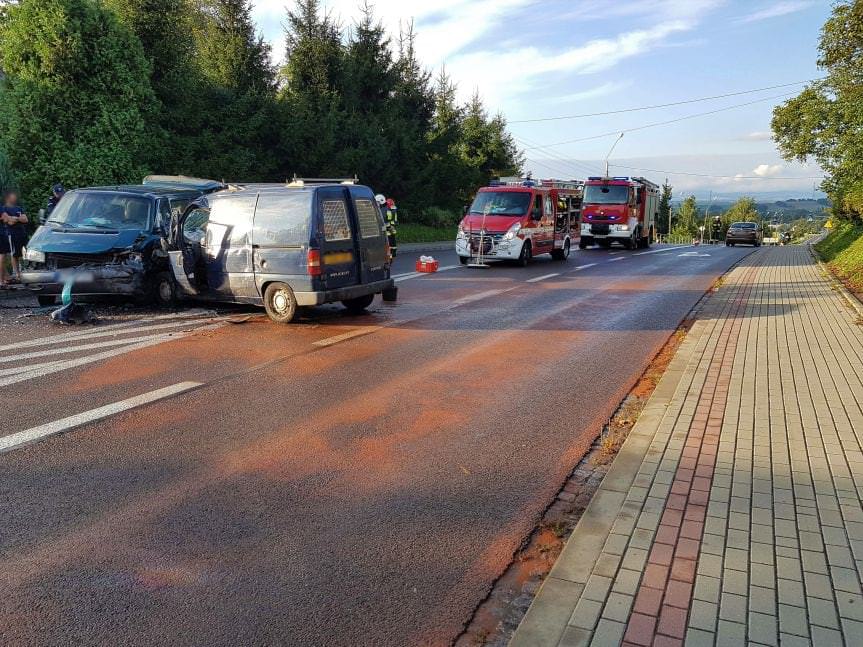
x: 519, y: 218
x: 619, y: 209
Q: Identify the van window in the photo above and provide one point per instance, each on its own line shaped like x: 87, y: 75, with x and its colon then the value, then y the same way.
x: 369, y: 217
x: 336, y: 226
x: 195, y: 226
x: 235, y: 213
x: 283, y: 218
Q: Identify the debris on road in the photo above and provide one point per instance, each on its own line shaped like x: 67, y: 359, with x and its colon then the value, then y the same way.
x: 71, y: 313
x: 427, y: 264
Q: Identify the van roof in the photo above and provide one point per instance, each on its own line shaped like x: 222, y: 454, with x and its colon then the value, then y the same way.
x: 143, y: 190
x: 262, y: 187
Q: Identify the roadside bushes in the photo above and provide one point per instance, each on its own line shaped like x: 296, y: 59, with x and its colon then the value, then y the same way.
x: 842, y: 250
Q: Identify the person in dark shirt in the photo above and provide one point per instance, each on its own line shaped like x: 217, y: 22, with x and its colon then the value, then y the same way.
x: 57, y: 193
x: 13, y: 236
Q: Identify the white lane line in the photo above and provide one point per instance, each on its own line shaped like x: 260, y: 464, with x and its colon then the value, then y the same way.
x: 404, y: 277
x: 360, y: 332
x: 659, y: 251
x: 5, y: 359
x: 584, y: 267
x: 479, y: 296
x: 120, y: 329
x: 58, y: 426
x: 619, y: 258
x: 56, y: 367
x: 542, y: 278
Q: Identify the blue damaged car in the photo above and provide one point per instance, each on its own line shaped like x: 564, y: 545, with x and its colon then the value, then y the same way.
x: 110, y: 240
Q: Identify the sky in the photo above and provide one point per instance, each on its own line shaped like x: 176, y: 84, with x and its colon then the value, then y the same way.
x: 533, y: 59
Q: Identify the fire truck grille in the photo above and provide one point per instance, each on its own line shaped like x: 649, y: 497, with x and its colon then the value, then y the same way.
x: 599, y: 229
x: 488, y: 242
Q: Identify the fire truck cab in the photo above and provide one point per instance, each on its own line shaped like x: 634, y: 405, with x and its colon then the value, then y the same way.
x: 619, y: 209
x: 519, y: 218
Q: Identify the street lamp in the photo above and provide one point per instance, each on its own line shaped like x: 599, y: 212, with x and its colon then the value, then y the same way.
x: 619, y: 137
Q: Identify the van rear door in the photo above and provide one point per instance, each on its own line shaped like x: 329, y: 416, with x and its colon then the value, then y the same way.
x: 372, y: 240
x: 339, y: 250
x: 280, y: 237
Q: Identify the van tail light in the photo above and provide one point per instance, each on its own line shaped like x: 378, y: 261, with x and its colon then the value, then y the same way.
x: 313, y: 264
x: 389, y: 251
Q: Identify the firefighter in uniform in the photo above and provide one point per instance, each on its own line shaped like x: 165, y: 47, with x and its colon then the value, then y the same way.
x: 391, y: 218
x: 717, y: 227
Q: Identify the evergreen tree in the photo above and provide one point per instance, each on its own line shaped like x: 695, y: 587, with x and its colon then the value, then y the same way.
x: 76, y: 96
x: 687, y: 219
x: 665, y: 209
x: 446, y: 171
x: 241, y: 121
x: 312, y: 80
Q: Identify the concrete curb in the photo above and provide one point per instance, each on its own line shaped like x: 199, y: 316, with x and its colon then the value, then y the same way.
x: 849, y: 296
x: 549, y: 614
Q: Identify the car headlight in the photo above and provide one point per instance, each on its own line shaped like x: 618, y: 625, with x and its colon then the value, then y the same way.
x: 34, y: 255
x: 623, y: 228
x: 460, y: 234
x: 510, y: 234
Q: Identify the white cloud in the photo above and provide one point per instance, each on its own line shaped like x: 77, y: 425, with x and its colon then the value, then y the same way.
x: 783, y: 8
x: 768, y: 170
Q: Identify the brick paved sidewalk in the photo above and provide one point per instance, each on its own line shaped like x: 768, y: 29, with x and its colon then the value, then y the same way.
x: 733, y: 514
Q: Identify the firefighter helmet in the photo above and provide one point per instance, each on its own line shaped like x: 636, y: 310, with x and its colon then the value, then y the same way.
x: 381, y: 199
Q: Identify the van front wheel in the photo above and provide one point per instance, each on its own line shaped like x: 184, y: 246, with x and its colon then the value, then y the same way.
x: 280, y: 303
x: 358, y: 305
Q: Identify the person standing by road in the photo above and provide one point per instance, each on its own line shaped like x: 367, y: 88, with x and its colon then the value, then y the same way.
x: 13, y: 237
x: 57, y: 193
x: 391, y: 219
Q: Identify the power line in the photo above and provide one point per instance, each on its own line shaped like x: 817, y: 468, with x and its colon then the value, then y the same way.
x: 664, y: 123
x: 579, y: 165
x: 661, y: 105
x: 719, y: 177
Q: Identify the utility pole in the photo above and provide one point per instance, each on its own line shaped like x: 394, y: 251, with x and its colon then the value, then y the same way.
x: 669, y: 211
x: 619, y: 137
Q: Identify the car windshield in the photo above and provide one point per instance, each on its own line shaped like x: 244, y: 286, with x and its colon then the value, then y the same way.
x: 606, y: 194
x: 743, y: 225
x: 501, y: 203
x: 103, y: 210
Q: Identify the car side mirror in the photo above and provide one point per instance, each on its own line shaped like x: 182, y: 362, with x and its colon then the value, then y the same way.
x: 466, y: 209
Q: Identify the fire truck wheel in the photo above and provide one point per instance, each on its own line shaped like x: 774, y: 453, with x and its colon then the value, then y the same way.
x: 526, y: 254
x: 583, y: 243
x: 463, y: 259
x: 561, y: 254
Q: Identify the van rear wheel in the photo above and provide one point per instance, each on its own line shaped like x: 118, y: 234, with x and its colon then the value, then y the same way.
x: 358, y: 305
x: 280, y: 303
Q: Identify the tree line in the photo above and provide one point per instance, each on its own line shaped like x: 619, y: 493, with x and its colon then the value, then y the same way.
x: 686, y: 220
x: 104, y: 92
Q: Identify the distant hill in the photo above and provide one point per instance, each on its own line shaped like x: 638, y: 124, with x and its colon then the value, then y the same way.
x: 781, y: 210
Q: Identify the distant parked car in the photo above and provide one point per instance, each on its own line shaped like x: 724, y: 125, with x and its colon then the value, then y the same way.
x: 744, y: 233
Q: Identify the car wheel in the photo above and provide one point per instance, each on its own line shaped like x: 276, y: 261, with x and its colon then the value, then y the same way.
x: 45, y: 300
x: 463, y: 259
x: 526, y: 254
x: 165, y: 290
x: 280, y: 303
x: 358, y: 305
x: 584, y: 243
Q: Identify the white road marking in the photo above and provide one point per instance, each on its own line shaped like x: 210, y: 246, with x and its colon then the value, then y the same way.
x: 329, y: 341
x: 619, y: 258
x: 660, y: 251
x: 404, y: 277
x: 119, y: 329
x: 542, y: 278
x: 584, y: 267
x: 58, y: 426
x: 415, y: 275
x: 56, y: 367
x: 75, y: 349
x: 479, y: 296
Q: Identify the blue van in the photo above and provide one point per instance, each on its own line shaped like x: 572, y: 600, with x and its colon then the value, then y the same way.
x: 109, y: 240
x: 283, y: 246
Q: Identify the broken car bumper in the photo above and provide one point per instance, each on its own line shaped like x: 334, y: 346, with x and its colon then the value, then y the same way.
x: 95, y: 280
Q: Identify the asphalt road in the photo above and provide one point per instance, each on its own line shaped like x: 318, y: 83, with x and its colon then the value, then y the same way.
x: 341, y: 481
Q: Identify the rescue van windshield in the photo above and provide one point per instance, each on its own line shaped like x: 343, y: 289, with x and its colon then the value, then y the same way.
x: 501, y: 203
x: 606, y: 194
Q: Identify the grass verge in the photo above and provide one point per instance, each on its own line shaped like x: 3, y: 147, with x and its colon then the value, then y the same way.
x: 414, y: 233
x: 842, y: 251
